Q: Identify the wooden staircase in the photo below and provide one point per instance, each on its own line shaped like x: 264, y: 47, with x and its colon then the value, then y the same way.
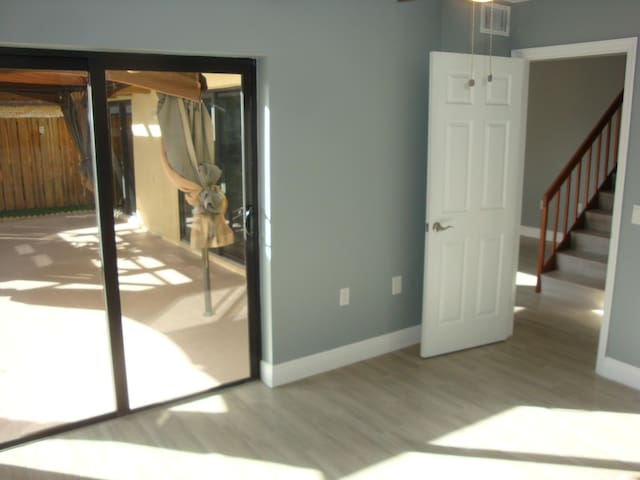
x: 580, y: 204
x: 581, y: 262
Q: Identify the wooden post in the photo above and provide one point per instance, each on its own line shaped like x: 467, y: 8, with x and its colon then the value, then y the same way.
x: 616, y: 145
x: 567, y: 201
x: 555, y: 223
x: 608, y: 154
x: 541, y: 244
x: 578, y: 183
x: 598, y: 155
x: 587, y: 180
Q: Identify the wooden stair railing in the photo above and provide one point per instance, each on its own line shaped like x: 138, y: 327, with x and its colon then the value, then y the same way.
x: 580, y: 179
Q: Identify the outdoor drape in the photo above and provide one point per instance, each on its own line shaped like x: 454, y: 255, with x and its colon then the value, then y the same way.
x: 74, y: 109
x: 188, y: 160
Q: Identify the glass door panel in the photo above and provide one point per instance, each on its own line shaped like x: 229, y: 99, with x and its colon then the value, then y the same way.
x: 55, y: 360
x: 184, y: 304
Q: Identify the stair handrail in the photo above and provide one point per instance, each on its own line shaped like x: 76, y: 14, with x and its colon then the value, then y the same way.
x: 565, y: 178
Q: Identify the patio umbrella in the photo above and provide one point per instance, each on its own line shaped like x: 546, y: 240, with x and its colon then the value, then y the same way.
x: 188, y: 160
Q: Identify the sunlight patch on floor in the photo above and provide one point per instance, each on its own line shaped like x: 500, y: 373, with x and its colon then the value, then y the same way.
x: 110, y: 460
x: 89, y: 235
x: 212, y: 404
x: 553, y: 431
x: 526, y: 279
x: 127, y: 264
x: 148, y: 262
x: 76, y: 376
x: 41, y: 358
x: 100, y: 287
x: 24, y: 249
x: 172, y: 277
x: 23, y: 285
x: 141, y: 279
x: 466, y: 465
x: 157, y: 368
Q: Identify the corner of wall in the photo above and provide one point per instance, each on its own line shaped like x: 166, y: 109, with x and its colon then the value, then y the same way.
x: 264, y: 193
x: 619, y: 372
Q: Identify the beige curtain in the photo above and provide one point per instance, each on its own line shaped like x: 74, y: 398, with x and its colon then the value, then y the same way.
x: 188, y: 161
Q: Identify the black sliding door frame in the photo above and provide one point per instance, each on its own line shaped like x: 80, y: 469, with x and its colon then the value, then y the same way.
x: 97, y: 63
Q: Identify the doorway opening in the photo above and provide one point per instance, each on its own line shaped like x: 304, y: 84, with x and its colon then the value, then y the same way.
x: 622, y: 53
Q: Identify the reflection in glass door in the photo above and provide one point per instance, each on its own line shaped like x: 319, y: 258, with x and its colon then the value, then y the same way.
x: 184, y: 306
x: 55, y: 360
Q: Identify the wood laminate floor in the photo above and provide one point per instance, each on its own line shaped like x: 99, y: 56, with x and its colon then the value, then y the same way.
x: 531, y: 407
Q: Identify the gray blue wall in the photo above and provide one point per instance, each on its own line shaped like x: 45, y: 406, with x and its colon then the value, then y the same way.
x: 566, y: 100
x: 343, y: 88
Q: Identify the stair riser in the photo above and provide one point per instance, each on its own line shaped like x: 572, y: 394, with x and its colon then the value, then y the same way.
x: 605, y: 200
x: 580, y: 266
x: 590, y: 243
x: 601, y: 223
x: 581, y: 295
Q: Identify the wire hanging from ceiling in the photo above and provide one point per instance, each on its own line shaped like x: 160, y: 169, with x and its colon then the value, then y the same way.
x: 471, y: 81
x: 490, y: 77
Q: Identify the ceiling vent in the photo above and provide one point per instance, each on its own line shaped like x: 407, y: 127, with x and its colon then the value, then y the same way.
x: 501, y: 19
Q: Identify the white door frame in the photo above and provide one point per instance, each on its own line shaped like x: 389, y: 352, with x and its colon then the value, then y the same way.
x: 605, y: 366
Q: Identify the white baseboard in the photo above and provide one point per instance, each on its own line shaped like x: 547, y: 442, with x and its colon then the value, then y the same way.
x: 287, y: 372
x: 533, y: 232
x: 620, y: 372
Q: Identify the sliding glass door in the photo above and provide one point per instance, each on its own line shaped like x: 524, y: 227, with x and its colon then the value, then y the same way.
x: 184, y: 306
x: 119, y: 295
x: 55, y: 359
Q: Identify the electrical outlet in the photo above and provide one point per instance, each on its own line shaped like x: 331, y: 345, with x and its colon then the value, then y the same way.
x: 396, y: 285
x: 541, y: 204
x: 635, y: 216
x: 344, y: 297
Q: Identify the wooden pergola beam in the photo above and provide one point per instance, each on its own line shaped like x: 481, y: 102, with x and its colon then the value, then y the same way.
x: 62, y: 78
x: 179, y: 84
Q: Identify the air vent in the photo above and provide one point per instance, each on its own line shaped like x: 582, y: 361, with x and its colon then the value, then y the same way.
x: 501, y: 19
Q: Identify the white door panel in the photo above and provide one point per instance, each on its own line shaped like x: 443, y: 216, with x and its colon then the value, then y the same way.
x: 474, y: 181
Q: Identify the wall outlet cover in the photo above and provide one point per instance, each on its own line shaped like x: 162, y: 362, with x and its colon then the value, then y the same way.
x: 635, y: 216
x: 344, y: 297
x: 396, y: 285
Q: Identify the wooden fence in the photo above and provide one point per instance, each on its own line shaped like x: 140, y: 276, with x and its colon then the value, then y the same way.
x: 39, y: 166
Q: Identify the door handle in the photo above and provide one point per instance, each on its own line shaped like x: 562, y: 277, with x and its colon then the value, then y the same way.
x: 437, y: 227
x: 248, y: 220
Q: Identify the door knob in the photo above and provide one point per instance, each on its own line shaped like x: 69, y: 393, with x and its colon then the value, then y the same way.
x: 438, y: 227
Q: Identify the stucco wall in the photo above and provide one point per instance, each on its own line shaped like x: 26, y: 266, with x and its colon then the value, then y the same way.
x: 156, y: 196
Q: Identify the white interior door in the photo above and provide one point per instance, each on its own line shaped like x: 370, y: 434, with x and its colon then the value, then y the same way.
x: 474, y: 192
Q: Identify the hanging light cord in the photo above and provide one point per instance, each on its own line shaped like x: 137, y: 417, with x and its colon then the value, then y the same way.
x: 490, y: 78
x: 472, y: 82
